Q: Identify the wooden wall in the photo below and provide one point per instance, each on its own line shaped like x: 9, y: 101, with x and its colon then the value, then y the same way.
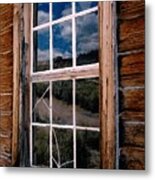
x: 6, y: 83
x: 131, y: 84
x: 131, y: 16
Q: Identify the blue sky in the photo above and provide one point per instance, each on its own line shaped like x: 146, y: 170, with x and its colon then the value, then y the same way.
x: 86, y: 30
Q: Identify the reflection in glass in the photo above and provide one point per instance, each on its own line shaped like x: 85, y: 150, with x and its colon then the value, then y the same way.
x: 88, y: 149
x: 80, y: 6
x: 41, y: 102
x: 87, y: 102
x: 41, y: 50
x: 41, y: 146
x: 62, y: 148
x: 87, y: 39
x: 40, y: 13
x: 61, y: 9
x: 62, y: 45
x: 62, y: 102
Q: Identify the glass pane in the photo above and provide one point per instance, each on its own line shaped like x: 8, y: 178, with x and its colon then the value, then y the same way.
x: 88, y: 149
x: 41, y: 50
x: 80, y: 6
x: 62, y: 148
x: 40, y: 13
x: 62, y: 45
x: 87, y: 39
x: 62, y: 102
x: 87, y: 102
x: 41, y: 146
x: 41, y: 102
x: 61, y: 9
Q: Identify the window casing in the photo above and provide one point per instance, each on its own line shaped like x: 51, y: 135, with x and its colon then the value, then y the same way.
x: 104, y: 70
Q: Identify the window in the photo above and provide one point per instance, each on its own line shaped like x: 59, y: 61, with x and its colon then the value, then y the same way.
x: 64, y: 89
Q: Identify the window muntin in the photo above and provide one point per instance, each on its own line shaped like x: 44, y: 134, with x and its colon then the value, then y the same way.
x: 68, y: 132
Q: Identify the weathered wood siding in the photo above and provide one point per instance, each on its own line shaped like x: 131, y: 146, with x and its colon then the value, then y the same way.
x: 131, y: 17
x: 130, y: 26
x: 6, y: 82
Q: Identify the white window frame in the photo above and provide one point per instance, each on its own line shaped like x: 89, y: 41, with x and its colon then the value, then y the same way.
x: 69, y: 73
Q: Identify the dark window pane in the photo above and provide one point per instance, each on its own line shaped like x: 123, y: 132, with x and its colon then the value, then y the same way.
x: 62, y: 45
x: 61, y: 9
x: 87, y: 102
x: 87, y: 39
x: 41, y: 102
x: 40, y: 13
x: 41, y: 50
x: 88, y: 149
x: 80, y: 6
x: 62, y: 148
x: 41, y: 146
x: 62, y: 102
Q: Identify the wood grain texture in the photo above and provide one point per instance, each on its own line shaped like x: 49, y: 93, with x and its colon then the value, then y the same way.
x: 133, y: 100
x: 67, y: 73
x: 5, y: 124
x: 132, y: 134
x: 107, y: 94
x: 16, y: 81
x: 6, y: 103
x: 131, y: 9
x: 132, y: 116
x: 131, y: 34
x: 131, y: 53
x: 132, y: 158
x: 6, y: 82
x: 132, y: 70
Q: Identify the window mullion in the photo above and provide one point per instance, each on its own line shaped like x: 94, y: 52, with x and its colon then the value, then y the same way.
x: 51, y: 68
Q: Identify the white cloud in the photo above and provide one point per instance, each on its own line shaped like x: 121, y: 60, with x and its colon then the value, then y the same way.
x: 87, y: 30
x: 84, y: 5
x: 43, y: 17
x: 58, y: 53
x: 43, y: 55
x: 66, y: 11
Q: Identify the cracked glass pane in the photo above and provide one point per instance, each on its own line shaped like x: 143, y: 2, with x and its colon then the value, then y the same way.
x: 62, y: 102
x: 41, y: 146
x: 62, y: 148
x: 88, y: 155
x: 87, y: 102
x: 41, y: 102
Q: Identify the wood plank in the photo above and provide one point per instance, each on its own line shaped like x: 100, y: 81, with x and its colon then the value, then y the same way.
x: 131, y: 9
x: 132, y: 134
x: 16, y: 79
x: 25, y: 83
x: 132, y: 158
x: 67, y: 73
x: 6, y: 103
x: 6, y: 40
x: 5, y: 123
x: 6, y: 84
x: 133, y: 100
x: 107, y: 93
x: 132, y: 116
x: 131, y: 34
x: 132, y: 70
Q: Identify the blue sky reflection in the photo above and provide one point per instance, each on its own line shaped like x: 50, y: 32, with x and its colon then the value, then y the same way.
x: 61, y: 9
